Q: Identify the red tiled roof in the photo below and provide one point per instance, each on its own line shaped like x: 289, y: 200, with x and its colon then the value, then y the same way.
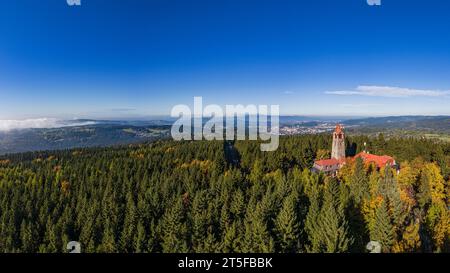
x: 328, y: 162
x: 379, y: 160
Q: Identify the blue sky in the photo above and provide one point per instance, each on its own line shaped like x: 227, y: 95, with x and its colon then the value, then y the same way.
x: 117, y: 58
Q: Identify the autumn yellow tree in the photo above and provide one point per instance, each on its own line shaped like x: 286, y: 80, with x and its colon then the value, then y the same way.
x: 432, y: 198
x: 410, y: 241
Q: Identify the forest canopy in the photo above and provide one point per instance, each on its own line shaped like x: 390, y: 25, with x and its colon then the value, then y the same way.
x: 214, y: 196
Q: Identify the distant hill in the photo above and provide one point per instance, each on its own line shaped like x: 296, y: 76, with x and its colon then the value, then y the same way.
x: 432, y: 124
x: 79, y: 136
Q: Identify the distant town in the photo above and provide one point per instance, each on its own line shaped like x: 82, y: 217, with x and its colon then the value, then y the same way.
x: 308, y: 128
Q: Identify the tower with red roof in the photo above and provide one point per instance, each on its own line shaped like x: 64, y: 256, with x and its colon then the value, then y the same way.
x: 332, y: 165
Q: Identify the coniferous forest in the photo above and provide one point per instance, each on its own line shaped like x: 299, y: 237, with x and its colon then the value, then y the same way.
x: 204, y: 196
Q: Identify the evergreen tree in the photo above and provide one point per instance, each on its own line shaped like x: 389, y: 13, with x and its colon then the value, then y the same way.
x: 129, y: 225
x: 233, y: 239
x: 311, y: 222
x: 174, y: 234
x: 383, y: 230
x: 359, y: 183
x: 139, y: 242
x: 424, y: 194
x: 28, y: 237
x: 287, y: 226
x: 332, y: 225
x: 108, y: 244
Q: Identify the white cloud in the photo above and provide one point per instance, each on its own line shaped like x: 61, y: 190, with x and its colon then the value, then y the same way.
x: 389, y: 91
x: 288, y: 92
x: 359, y: 105
x: 7, y: 125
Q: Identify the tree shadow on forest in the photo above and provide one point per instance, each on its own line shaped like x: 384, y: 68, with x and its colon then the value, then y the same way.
x: 357, y: 226
x: 232, y: 155
x: 350, y: 149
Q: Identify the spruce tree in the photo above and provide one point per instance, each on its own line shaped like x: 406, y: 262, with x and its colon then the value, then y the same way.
x: 359, y: 184
x: 332, y: 225
x: 287, y: 226
x: 139, y: 242
x: 129, y: 225
x: 311, y: 222
x: 28, y: 237
x: 383, y: 231
x: 108, y: 244
x: 233, y: 239
x: 174, y: 229
x: 257, y: 236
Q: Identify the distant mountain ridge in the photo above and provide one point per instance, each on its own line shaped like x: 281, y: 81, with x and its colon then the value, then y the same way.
x: 118, y: 132
x: 78, y: 136
x: 439, y: 124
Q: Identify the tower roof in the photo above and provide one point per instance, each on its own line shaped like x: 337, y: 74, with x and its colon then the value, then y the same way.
x: 338, y: 129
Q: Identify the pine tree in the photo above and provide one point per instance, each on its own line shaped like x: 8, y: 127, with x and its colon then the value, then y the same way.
x: 383, y: 230
x: 199, y: 221
x: 257, y: 236
x: 311, y: 222
x: 174, y: 230
x: 139, y: 239
x: 332, y: 226
x: 129, y: 225
x: 399, y: 212
x: 233, y: 239
x: 237, y: 205
x: 209, y: 244
x: 225, y: 219
x: 287, y: 226
x: 50, y: 239
x: 308, y: 156
x: 28, y: 237
x: 256, y: 173
x: 108, y: 244
x: 424, y: 194
x: 359, y: 184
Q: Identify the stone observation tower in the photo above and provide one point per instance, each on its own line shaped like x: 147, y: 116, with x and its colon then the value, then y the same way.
x: 338, y: 148
x: 332, y: 165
